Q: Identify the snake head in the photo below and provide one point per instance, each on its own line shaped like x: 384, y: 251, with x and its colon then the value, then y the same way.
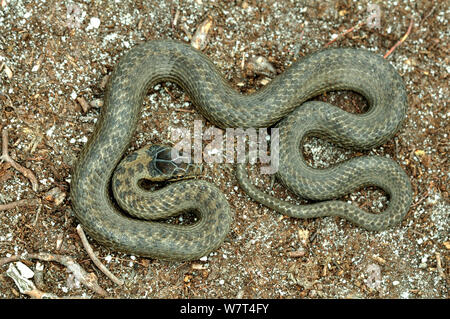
x: 167, y: 163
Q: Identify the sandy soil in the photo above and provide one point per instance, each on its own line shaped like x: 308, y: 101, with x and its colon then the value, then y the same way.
x: 54, y: 55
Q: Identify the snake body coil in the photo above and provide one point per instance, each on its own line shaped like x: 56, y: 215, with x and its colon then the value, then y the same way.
x: 333, y: 69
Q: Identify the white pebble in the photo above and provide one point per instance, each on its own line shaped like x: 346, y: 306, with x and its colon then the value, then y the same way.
x: 50, y: 131
x: 94, y: 23
x: 24, y: 270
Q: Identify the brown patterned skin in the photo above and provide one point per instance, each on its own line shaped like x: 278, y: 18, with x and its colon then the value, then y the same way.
x: 158, y: 61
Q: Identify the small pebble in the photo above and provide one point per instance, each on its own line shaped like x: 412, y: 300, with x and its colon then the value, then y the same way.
x: 55, y: 195
x: 24, y: 270
x: 94, y: 23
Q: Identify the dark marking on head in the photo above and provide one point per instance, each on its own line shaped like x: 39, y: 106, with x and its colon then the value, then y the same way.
x: 140, y: 167
x: 130, y: 171
x: 132, y: 157
x: 117, y: 183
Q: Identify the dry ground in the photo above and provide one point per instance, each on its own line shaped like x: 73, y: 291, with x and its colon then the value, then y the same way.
x: 52, y: 53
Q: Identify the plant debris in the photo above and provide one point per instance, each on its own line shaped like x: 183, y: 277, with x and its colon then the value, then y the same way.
x: 55, y: 59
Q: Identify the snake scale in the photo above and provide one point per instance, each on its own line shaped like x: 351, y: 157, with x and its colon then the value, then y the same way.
x: 283, y: 102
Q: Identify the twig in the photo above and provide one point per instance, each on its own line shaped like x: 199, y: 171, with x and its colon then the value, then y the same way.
x: 89, y: 280
x: 94, y: 258
x: 401, y: 40
x: 439, y: 265
x: 428, y: 15
x: 184, y: 110
x: 420, y: 200
x: 31, y: 289
x: 84, y: 104
x: 6, y: 158
x: 300, y: 39
x: 22, y: 202
x: 170, y: 93
x: 416, y: 232
x: 345, y: 32
x: 26, y: 286
x: 5, y: 260
x: 296, y: 253
x: 37, y: 215
x: 175, y: 19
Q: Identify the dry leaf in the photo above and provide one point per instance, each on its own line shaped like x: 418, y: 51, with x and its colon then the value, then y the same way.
x: 200, y: 38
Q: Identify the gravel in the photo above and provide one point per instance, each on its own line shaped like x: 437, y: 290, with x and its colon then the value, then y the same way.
x: 54, y: 52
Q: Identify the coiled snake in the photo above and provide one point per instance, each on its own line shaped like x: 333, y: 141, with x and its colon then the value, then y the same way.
x: 282, y: 99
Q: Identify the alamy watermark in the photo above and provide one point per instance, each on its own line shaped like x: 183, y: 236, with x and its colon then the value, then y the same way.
x: 227, y: 146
